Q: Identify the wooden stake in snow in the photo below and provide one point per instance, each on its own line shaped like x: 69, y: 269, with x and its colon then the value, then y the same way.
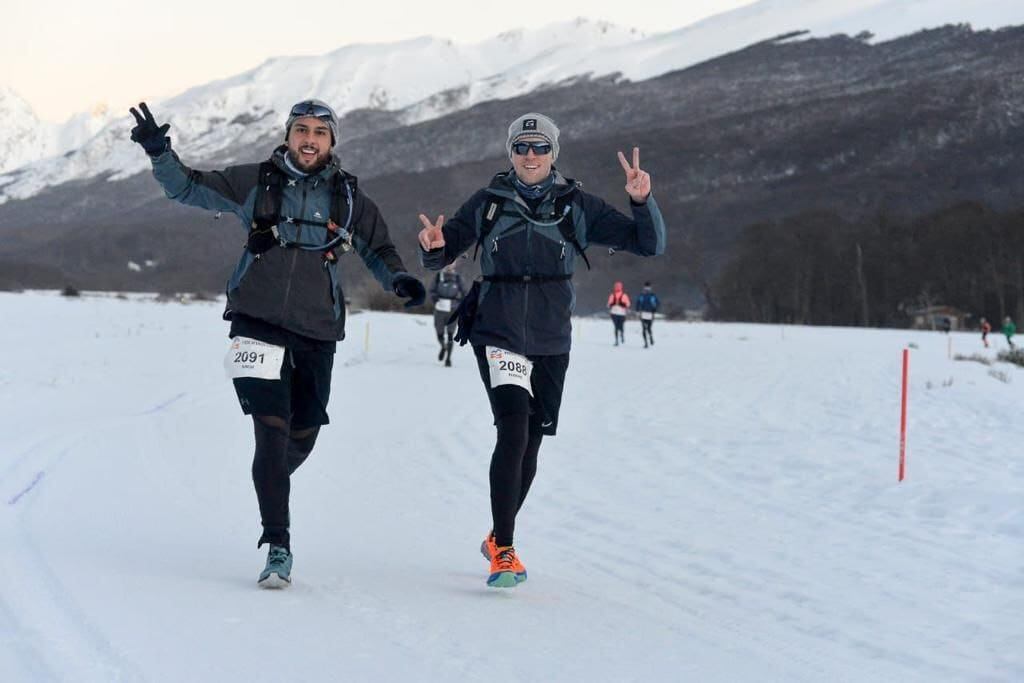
x: 903, y: 416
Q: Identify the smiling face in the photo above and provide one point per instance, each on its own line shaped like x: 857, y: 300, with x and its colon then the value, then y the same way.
x: 309, y: 144
x: 532, y: 168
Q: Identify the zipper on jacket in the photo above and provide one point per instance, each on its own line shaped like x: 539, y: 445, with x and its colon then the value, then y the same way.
x: 528, y: 270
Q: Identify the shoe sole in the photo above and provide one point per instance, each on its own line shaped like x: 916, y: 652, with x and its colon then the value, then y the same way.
x: 502, y: 580
x: 275, y: 580
x: 520, y: 577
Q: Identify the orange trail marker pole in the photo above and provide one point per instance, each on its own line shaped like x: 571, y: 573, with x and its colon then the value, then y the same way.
x: 903, y: 416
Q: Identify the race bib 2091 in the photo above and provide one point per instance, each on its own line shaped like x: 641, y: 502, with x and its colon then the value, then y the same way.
x: 253, y: 358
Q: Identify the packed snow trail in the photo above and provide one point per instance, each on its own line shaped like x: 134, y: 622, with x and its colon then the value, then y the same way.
x: 723, y: 506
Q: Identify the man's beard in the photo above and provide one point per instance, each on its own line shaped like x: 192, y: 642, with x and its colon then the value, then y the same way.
x: 316, y: 165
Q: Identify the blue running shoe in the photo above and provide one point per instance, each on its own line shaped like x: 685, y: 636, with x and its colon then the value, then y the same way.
x: 278, y: 572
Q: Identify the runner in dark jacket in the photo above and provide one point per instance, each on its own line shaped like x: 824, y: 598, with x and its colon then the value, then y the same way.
x: 446, y: 293
x: 646, y: 307
x: 517, y: 316
x: 285, y: 302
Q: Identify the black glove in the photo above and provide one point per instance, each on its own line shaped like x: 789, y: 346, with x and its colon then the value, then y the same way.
x: 407, y: 286
x: 153, y: 138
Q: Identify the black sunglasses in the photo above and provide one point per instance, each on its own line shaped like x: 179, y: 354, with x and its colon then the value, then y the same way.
x: 539, y: 148
x: 312, y: 109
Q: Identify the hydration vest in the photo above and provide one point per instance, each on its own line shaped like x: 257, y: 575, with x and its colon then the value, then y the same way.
x: 564, y: 206
x: 263, y: 232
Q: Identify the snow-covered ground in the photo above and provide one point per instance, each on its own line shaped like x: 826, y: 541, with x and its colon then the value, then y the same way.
x: 722, y: 507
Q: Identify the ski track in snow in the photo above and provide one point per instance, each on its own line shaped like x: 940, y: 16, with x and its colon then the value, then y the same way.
x: 720, y: 507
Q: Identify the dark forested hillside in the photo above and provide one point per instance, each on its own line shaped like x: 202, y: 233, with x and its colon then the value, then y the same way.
x: 806, y: 143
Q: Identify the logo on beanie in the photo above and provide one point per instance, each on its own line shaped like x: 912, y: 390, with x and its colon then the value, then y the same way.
x: 530, y: 124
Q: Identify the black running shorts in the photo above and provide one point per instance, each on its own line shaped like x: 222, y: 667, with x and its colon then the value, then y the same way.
x: 300, y: 396
x: 547, y: 382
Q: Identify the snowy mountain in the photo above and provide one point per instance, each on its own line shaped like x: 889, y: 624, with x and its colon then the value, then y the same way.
x: 721, y: 507
x: 394, y: 76
x: 883, y: 19
x: 901, y: 128
x: 25, y: 138
x: 424, y: 78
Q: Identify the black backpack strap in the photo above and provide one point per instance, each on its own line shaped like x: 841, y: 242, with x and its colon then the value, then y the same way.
x: 266, y: 213
x: 564, y: 207
x: 343, y: 188
x: 340, y: 206
x: 267, y: 210
x: 492, y: 209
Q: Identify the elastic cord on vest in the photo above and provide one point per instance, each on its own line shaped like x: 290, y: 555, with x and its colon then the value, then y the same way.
x: 543, y: 224
x: 343, y: 233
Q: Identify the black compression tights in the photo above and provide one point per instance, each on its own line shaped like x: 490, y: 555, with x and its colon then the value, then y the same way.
x: 513, y: 466
x: 279, y: 452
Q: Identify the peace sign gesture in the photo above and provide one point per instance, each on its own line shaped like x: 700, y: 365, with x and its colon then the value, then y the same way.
x: 638, y: 181
x: 147, y: 133
x: 431, y: 236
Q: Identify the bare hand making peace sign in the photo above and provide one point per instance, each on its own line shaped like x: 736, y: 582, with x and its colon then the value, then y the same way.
x: 638, y: 181
x: 431, y: 237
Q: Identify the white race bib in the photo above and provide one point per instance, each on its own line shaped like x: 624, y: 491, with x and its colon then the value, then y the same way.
x: 508, y: 368
x: 647, y: 315
x: 253, y: 358
x: 443, y: 305
x: 618, y: 310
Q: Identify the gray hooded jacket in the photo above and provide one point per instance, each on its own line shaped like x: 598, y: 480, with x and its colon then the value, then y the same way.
x: 291, y: 288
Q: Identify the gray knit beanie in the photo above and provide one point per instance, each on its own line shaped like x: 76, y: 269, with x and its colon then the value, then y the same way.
x: 531, y: 125
x: 315, y: 108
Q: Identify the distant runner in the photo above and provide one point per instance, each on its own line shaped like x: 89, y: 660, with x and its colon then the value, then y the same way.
x: 618, y: 307
x: 647, y: 306
x: 446, y: 293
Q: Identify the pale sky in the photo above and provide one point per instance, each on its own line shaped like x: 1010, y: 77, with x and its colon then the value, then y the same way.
x: 64, y: 56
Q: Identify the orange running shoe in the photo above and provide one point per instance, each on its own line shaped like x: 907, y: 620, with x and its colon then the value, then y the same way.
x: 506, y: 569
x: 488, y: 548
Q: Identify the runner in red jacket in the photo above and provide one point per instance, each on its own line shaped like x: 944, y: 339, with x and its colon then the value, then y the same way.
x: 618, y: 306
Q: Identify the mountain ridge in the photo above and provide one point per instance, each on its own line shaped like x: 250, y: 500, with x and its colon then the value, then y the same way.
x: 779, y: 127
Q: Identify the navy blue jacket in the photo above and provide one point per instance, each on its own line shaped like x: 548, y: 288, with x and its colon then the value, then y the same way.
x: 533, y: 318
x: 648, y: 302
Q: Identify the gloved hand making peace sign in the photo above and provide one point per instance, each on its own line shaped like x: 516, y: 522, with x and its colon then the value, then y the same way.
x: 153, y: 138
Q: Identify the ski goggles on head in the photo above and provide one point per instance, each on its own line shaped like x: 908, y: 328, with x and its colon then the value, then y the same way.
x: 523, y: 148
x: 311, y: 109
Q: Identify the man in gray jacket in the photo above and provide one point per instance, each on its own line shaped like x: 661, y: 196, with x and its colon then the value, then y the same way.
x: 446, y: 293
x: 302, y: 213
